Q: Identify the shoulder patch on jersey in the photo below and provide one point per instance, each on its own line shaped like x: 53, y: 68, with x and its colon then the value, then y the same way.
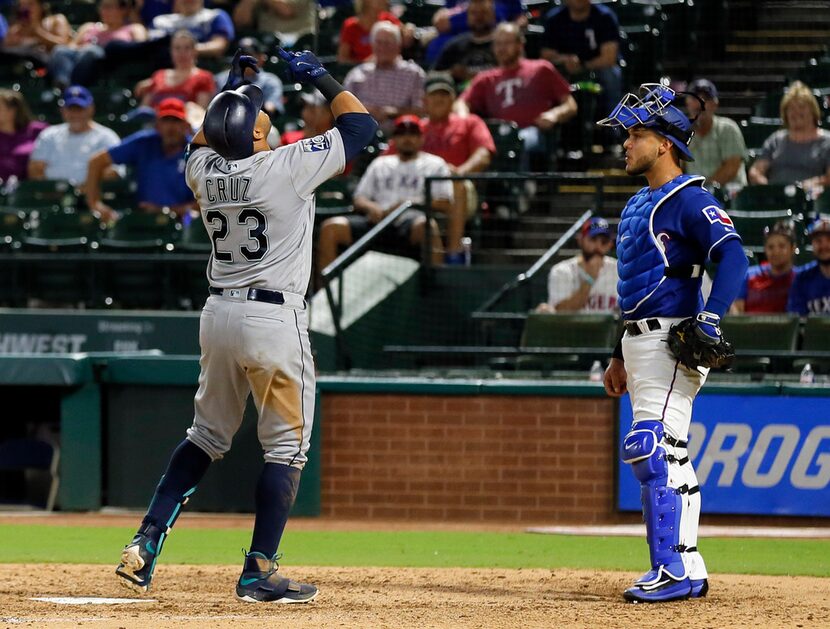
x: 714, y: 214
x: 316, y: 144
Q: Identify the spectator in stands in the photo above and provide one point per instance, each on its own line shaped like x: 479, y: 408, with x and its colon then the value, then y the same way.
x: 289, y: 19
x: 4, y: 29
x: 452, y: 20
x: 33, y: 33
x: 156, y: 157
x: 810, y: 291
x: 268, y: 82
x: 800, y: 152
x: 91, y: 38
x: 529, y: 92
x: 212, y: 28
x: 18, y: 132
x: 588, y: 281
x: 767, y: 285
x: 718, y: 145
x: 63, y: 151
x: 355, y: 45
x: 582, y: 37
x: 148, y: 10
x: 470, y: 53
x: 317, y: 118
x: 464, y: 142
x: 387, y: 85
x: 183, y: 81
x: 389, y: 181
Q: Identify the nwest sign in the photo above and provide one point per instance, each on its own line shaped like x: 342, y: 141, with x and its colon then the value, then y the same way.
x: 754, y: 455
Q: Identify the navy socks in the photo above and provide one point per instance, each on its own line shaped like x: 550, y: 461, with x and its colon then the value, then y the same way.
x: 275, y: 494
x: 186, y: 468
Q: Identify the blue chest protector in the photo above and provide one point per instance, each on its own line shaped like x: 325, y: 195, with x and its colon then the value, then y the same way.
x: 641, y: 260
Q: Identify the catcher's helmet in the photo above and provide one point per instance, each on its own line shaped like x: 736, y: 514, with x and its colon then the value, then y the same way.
x: 654, y: 110
x: 230, y: 120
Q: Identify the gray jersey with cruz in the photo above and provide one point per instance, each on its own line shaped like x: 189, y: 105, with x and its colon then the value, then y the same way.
x: 259, y: 211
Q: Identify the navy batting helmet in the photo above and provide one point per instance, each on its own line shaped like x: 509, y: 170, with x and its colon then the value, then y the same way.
x: 230, y: 120
x: 653, y: 109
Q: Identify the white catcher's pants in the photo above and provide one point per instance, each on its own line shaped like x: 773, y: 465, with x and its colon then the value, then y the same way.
x: 660, y: 388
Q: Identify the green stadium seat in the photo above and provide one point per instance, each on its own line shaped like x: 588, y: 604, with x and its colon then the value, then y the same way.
x: 561, y: 331
x: 139, y: 283
x: 508, y: 145
x: 771, y: 197
x: 773, y: 333
x: 821, y: 203
x: 816, y: 72
x: 757, y: 130
x: 751, y: 225
x: 12, y: 228
x: 192, y: 277
x: 62, y: 230
x: 816, y: 337
x: 39, y: 194
x: 333, y: 198
x: 119, y: 194
x: 112, y: 100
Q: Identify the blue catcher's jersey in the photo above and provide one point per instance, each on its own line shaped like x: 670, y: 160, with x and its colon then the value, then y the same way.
x: 676, y: 225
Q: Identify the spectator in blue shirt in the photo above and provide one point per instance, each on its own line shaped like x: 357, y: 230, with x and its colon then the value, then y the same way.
x: 212, y: 28
x: 4, y: 28
x: 581, y: 37
x: 156, y: 158
x: 810, y: 292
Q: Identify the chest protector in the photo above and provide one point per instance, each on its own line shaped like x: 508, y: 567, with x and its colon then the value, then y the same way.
x: 641, y: 259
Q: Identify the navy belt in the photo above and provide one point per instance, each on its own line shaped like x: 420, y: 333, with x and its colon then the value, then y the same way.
x: 256, y: 294
x: 634, y: 330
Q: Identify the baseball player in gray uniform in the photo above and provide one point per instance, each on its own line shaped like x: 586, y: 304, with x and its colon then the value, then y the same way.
x: 258, y: 206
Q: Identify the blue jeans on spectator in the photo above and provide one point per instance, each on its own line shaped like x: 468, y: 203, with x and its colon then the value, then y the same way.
x: 64, y: 59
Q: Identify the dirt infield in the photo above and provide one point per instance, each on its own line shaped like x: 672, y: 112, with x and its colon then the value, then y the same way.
x: 202, y: 597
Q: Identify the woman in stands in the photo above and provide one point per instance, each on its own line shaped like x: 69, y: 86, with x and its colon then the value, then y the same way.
x: 767, y: 285
x: 17, y: 136
x: 33, y: 33
x: 800, y: 152
x: 89, y: 41
x: 183, y: 81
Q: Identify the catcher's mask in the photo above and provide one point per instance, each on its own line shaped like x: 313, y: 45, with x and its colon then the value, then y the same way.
x: 654, y: 109
x: 230, y: 120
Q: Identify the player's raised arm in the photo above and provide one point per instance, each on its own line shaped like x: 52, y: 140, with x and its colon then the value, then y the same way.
x: 356, y: 126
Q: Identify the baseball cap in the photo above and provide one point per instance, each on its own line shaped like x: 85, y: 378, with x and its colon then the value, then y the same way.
x: 407, y: 123
x: 171, y: 108
x: 437, y: 82
x: 78, y: 96
x: 596, y: 226
x: 819, y: 226
x: 313, y: 98
x: 704, y: 87
x: 251, y: 46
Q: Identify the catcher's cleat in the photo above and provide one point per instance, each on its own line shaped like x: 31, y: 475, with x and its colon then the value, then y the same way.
x: 661, y: 592
x: 700, y: 587
x: 138, y: 560
x: 260, y: 583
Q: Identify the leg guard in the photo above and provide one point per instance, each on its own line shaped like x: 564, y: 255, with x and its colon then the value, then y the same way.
x: 663, y: 505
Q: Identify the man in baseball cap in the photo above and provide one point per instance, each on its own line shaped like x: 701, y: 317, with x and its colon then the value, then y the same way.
x: 588, y: 281
x: 718, y: 145
x: 810, y: 292
x: 268, y: 82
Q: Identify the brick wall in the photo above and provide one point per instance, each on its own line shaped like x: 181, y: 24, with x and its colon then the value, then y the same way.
x: 453, y: 457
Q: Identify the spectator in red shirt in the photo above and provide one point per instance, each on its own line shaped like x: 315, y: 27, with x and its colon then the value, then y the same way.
x: 767, y: 285
x: 464, y: 142
x: 529, y: 92
x: 183, y: 81
x: 355, y: 46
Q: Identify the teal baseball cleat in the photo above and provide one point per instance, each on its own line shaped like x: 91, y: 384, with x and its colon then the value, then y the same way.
x: 260, y: 583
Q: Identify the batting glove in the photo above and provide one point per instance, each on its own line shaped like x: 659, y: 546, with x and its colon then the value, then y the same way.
x: 305, y: 67
x: 707, y: 328
x: 236, y: 75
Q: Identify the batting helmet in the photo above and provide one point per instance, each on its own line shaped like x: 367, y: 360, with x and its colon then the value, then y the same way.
x: 654, y: 110
x: 230, y: 120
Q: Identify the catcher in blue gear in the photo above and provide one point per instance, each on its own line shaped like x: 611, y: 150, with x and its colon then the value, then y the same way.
x: 667, y: 232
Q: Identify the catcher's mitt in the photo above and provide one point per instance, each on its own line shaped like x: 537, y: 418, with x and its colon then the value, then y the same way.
x: 693, y: 351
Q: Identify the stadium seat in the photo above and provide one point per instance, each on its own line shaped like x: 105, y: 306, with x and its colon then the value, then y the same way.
x: 12, y: 227
x: 821, y: 203
x: 119, y: 194
x: 752, y: 225
x: 40, y: 194
x: 112, y: 100
x: 774, y: 333
x: 333, y: 198
x: 562, y: 331
x: 771, y: 197
x: 508, y: 145
x: 139, y: 283
x: 62, y: 230
x: 816, y: 72
x: 816, y: 338
x: 757, y: 130
x: 27, y: 455
x: 192, y: 277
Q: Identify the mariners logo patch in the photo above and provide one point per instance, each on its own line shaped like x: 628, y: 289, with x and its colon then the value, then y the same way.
x: 714, y: 214
x: 316, y: 144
